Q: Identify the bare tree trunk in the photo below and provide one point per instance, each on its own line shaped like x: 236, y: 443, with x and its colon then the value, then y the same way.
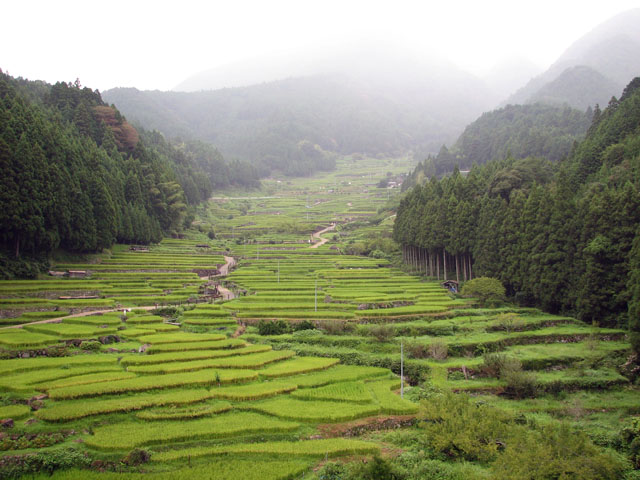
x: 444, y: 260
x: 464, y: 266
x: 470, y: 271
x: 438, y: 265
x: 457, y: 268
x: 18, y: 246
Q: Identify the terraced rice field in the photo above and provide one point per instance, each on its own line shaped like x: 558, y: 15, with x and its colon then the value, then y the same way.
x: 209, y: 392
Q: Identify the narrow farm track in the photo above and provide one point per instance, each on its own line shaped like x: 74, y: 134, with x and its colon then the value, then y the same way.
x: 322, y: 241
x: 80, y: 314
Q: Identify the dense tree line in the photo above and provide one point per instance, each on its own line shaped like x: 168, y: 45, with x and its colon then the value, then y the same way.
x: 518, y: 131
x: 76, y: 175
x: 562, y: 236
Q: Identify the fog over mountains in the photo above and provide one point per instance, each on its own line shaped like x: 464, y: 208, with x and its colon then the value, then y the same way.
x: 283, y: 112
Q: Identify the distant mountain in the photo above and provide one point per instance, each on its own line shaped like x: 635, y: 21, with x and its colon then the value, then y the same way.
x: 579, y: 87
x: 510, y: 74
x: 384, y: 104
x: 612, y: 49
x: 516, y: 132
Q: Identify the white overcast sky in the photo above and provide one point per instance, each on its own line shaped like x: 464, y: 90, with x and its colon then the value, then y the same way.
x: 157, y: 44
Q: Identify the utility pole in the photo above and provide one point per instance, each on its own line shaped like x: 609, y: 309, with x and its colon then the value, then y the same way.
x: 278, y: 271
x: 401, y: 369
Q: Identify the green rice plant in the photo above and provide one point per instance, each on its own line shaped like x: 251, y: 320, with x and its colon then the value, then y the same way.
x: 83, y: 380
x: 136, y: 332
x: 174, y: 413
x: 140, y: 319
x: 67, y: 330
x: 331, y: 447
x: 191, y: 355
x: 127, y: 435
x: 112, y: 320
x: 219, y: 469
x: 394, y: 312
x: 355, y: 392
x: 15, y: 412
x: 185, y: 346
x: 313, y: 410
x: 29, y: 381
x: 18, y: 337
x: 151, y: 382
x: 338, y: 373
x: 253, y: 391
x: 182, y: 337
x: 226, y: 320
x: 255, y: 360
x: 74, y: 409
x: 38, y: 363
x: 298, y: 365
x: 389, y: 402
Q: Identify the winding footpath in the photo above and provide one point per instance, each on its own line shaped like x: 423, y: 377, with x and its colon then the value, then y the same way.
x: 321, y: 241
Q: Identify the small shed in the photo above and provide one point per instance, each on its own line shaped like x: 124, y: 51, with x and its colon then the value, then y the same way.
x: 451, y: 285
x: 54, y: 273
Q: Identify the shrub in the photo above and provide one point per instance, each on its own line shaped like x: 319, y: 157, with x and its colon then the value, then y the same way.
x: 417, y: 350
x: 136, y: 457
x: 507, y: 322
x: 376, y: 469
x: 90, y: 345
x: 438, y: 350
x: 489, y: 291
x: 332, y: 471
x: 382, y: 333
x: 495, y: 362
x: 304, y: 325
x: 520, y: 384
x: 556, y: 452
x: 274, y: 327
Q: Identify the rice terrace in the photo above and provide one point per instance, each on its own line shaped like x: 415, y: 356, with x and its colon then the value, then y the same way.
x: 320, y: 241
x: 142, y: 368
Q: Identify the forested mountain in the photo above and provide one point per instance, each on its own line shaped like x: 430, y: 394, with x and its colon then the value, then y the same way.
x: 77, y: 175
x: 566, y: 239
x: 516, y: 131
x: 384, y: 106
x: 608, y: 56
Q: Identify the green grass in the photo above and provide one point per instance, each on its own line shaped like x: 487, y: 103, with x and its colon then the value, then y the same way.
x: 75, y: 409
x: 313, y: 410
x: 15, y: 412
x: 128, y: 435
x: 185, y: 413
x: 255, y: 360
x: 253, y: 391
x: 333, y: 447
x: 151, y: 382
x: 355, y: 392
x: 298, y: 365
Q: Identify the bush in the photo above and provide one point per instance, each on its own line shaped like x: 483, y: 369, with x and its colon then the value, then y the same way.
x: 556, y: 452
x: 417, y: 350
x: 376, y: 469
x: 495, y: 362
x: 304, y: 325
x: 275, y: 327
x: 90, y: 345
x: 520, y: 384
x: 489, y: 291
x: 438, y: 350
x: 382, y: 333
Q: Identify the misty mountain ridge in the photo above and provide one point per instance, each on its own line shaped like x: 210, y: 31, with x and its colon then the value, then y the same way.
x: 388, y: 105
x: 612, y: 50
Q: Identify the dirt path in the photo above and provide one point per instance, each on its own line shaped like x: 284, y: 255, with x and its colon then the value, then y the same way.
x: 81, y: 314
x: 322, y: 241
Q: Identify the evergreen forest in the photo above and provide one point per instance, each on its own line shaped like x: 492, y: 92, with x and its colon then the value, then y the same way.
x: 561, y: 236
x: 77, y: 176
